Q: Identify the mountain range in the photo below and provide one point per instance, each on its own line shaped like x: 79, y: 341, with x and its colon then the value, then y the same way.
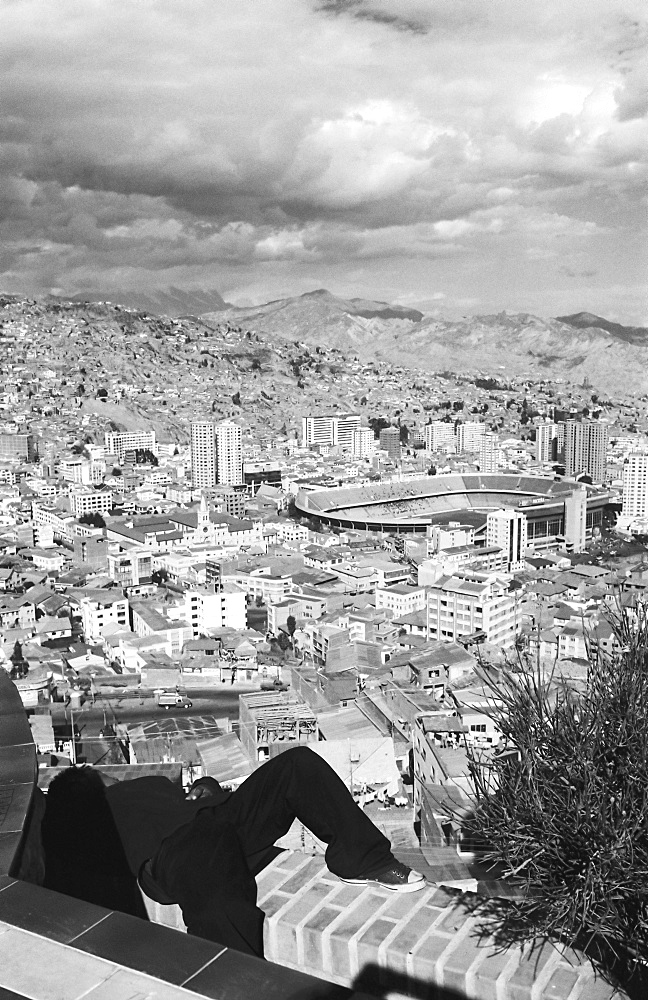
x: 572, y: 348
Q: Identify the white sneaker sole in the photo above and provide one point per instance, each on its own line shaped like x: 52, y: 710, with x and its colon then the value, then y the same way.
x: 404, y: 887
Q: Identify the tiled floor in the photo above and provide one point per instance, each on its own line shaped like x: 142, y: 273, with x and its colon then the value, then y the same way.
x: 41, y: 969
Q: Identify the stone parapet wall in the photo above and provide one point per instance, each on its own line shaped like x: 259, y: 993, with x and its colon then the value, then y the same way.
x: 418, y: 945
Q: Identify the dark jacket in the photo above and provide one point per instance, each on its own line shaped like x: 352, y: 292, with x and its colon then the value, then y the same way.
x: 147, y: 810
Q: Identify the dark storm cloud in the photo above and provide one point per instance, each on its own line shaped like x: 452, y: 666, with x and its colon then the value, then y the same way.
x: 150, y: 142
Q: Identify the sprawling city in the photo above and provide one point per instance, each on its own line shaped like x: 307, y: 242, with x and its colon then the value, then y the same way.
x: 323, y: 500
x: 217, y: 546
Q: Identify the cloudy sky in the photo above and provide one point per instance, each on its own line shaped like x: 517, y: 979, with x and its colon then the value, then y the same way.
x: 461, y: 156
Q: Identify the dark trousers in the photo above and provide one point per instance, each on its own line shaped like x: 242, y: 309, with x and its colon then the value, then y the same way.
x: 207, y: 866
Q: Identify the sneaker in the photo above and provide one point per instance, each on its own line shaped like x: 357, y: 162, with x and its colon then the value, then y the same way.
x: 397, y: 877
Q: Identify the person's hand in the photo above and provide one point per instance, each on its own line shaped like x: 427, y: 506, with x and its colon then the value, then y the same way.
x: 197, y: 791
x: 204, y: 788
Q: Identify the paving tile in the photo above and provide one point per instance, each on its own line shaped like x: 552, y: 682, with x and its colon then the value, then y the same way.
x: 36, y: 967
x: 127, y: 985
x: 51, y: 914
x: 137, y: 944
x: 234, y: 976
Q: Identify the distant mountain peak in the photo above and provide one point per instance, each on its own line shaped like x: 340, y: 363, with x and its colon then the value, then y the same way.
x: 588, y: 321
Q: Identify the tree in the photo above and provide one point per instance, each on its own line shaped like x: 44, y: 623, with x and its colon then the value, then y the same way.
x: 404, y: 433
x: 291, y: 625
x: 236, y: 399
x: 563, y: 806
x: 378, y: 424
x: 283, y: 642
x: 102, y: 393
x: 94, y: 518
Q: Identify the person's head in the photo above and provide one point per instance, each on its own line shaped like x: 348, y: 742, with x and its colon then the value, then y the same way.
x: 77, y: 811
x: 75, y: 785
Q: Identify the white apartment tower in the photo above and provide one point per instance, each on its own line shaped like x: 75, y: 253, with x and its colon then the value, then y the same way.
x: 347, y: 425
x: 229, y: 454
x: 439, y: 434
x: 586, y: 449
x: 507, y: 529
x: 575, y: 530
x: 550, y: 442
x: 317, y: 430
x: 489, y: 453
x: 363, y: 443
x: 635, y: 486
x: 469, y: 435
x: 203, y: 454
x: 330, y: 429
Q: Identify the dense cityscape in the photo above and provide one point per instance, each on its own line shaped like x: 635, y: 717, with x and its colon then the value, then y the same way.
x: 323, y: 500
x: 359, y: 565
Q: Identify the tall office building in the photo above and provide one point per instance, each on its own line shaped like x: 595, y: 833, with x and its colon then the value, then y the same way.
x: 390, y: 442
x: 330, y: 429
x: 507, y: 529
x: 575, y: 530
x: 469, y: 435
x: 344, y: 427
x: 203, y: 454
x: 635, y: 486
x: 317, y: 430
x: 363, y: 442
x: 439, y: 434
x: 550, y: 442
x: 229, y: 454
x: 489, y: 453
x: 586, y: 449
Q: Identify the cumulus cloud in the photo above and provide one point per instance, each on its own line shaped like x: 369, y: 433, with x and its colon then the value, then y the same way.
x: 266, y: 148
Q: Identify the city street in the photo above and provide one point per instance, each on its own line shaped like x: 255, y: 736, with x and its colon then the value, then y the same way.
x: 127, y: 709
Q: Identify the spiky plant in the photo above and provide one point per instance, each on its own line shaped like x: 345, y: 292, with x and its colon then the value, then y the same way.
x: 564, y: 805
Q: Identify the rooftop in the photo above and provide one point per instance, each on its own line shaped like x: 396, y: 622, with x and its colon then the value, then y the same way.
x: 323, y: 938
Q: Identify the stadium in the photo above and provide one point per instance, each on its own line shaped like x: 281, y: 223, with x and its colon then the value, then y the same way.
x: 412, y: 505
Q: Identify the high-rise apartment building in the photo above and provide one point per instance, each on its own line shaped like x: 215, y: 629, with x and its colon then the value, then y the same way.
x: 330, y: 429
x: 507, y: 529
x: 317, y: 430
x: 363, y: 442
x: 575, y: 530
x: 635, y: 486
x: 439, y: 434
x: 390, y: 442
x: 489, y: 453
x: 203, y: 454
x: 550, y: 442
x: 469, y: 435
x: 586, y: 449
x: 229, y: 454
x: 347, y: 425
